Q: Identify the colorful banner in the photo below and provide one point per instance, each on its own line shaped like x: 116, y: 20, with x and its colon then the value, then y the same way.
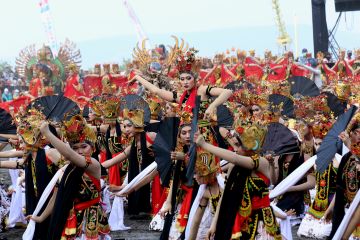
x: 48, y: 25
x: 139, y: 30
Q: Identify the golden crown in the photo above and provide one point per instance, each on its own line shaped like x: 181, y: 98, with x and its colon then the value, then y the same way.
x: 206, y: 164
x: 136, y: 116
x: 28, y: 126
x: 252, y: 135
x: 185, y: 118
x: 343, y: 91
x: 321, y: 128
x: 354, y: 120
x: 109, y: 106
x: 76, y: 130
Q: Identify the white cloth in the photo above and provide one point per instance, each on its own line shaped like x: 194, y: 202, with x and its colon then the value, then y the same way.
x: 16, y: 214
x: 106, y: 204
x: 116, y: 218
x: 157, y: 223
x: 293, y: 178
x: 285, y: 225
x: 196, y: 203
x: 193, y: 209
x: 29, y: 232
x: 314, y: 228
x: 139, y: 177
x: 348, y: 215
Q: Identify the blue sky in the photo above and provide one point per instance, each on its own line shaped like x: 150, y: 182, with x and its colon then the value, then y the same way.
x: 104, y: 32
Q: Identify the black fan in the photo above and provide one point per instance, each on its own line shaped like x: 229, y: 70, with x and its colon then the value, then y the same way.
x: 303, y: 86
x: 224, y: 117
x: 277, y: 101
x: 164, y: 143
x: 331, y: 143
x: 237, y: 85
x: 335, y: 104
x: 132, y: 102
x: 55, y: 107
x: 279, y: 140
x: 7, y: 125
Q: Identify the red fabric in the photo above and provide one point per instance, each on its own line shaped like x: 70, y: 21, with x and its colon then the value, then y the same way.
x: 17, y: 103
x: 209, y: 81
x: 149, y: 140
x: 102, y: 156
x: 92, y: 86
x: 69, y: 90
x: 183, y: 215
x: 114, y: 174
x: 156, y: 195
x: 225, y: 76
x: 347, y: 68
x: 190, y: 103
x: 278, y: 74
x: 298, y: 71
x: 256, y: 203
x: 35, y: 86
x: 87, y: 204
x: 254, y: 72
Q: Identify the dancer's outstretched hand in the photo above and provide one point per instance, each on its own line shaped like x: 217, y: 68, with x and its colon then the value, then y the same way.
x: 165, y: 210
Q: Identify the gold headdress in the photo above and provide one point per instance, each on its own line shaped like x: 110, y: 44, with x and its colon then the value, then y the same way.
x: 155, y: 107
x: 206, y: 165
x: 252, y: 135
x: 343, y: 91
x: 136, y: 116
x: 76, y: 130
x: 321, y: 128
x: 187, y: 62
x: 145, y: 58
x: 186, y: 118
x: 354, y: 120
x: 28, y: 126
x: 73, y: 67
x: 109, y: 105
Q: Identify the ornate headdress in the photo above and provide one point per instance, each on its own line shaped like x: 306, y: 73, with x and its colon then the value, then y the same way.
x: 187, y: 62
x: 206, y: 165
x: 252, y: 135
x: 28, y: 126
x: 355, y: 121
x: 343, y: 91
x: 73, y: 67
x: 136, y: 116
x: 109, y: 105
x: 145, y: 58
x: 185, y: 118
x: 321, y: 128
x: 76, y: 130
x: 155, y: 107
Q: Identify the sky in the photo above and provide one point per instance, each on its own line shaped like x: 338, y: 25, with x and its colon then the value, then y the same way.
x: 104, y: 32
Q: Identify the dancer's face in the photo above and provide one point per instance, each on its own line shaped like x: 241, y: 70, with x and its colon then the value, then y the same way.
x: 185, y: 135
x: 83, y: 148
x: 129, y: 128
x: 355, y: 136
x: 256, y: 111
x: 187, y: 81
x: 169, y: 111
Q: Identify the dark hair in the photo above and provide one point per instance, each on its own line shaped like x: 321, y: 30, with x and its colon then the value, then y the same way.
x: 194, y: 74
x: 355, y: 126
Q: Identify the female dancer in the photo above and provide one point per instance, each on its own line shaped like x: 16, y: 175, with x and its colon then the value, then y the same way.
x: 244, y: 210
x: 75, y: 207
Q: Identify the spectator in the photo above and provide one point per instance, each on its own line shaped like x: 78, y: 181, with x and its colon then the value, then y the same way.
x: 6, y: 96
x: 16, y: 93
